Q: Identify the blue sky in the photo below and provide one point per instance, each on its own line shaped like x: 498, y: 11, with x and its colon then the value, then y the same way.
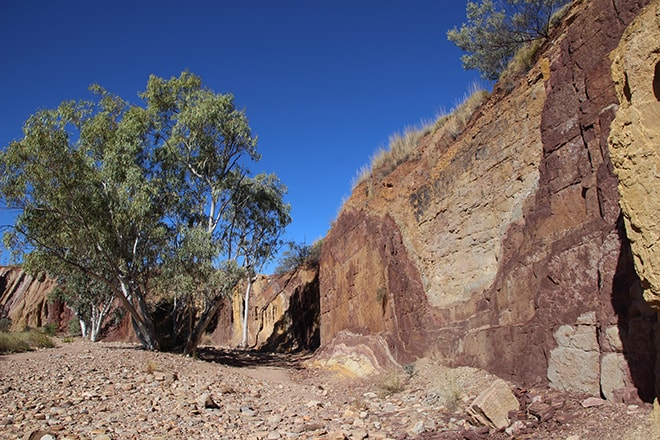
x: 324, y: 83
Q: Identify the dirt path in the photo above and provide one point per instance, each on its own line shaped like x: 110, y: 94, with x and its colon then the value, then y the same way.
x: 117, y: 391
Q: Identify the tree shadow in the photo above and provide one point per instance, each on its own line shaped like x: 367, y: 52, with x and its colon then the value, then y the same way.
x: 253, y: 358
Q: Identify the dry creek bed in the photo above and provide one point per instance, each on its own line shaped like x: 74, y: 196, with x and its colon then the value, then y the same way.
x: 112, y: 391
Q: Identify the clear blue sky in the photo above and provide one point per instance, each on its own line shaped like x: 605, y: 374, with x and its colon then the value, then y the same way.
x: 324, y: 83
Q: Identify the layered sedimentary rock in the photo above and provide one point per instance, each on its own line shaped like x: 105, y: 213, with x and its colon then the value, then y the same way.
x: 505, y: 248
x: 24, y: 299
x: 282, y: 316
x: 635, y: 142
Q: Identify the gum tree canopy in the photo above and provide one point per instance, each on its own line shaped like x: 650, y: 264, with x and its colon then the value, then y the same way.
x: 145, y: 200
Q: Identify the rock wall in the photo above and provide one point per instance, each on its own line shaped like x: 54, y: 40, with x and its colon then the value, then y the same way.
x: 25, y: 300
x: 505, y: 249
x: 635, y: 142
x: 283, y: 314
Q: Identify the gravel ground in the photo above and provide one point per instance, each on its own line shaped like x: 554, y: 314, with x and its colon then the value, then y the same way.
x: 114, y: 391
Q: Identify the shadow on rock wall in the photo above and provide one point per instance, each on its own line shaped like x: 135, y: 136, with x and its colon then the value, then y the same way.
x: 635, y: 344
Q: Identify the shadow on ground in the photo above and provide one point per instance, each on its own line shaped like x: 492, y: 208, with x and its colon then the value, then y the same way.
x: 252, y: 358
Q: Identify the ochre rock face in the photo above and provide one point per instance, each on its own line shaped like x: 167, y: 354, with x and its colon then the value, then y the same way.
x: 487, y: 250
x: 25, y: 299
x: 635, y: 143
x: 283, y: 314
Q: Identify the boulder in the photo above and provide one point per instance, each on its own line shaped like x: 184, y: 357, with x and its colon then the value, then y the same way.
x: 491, y: 408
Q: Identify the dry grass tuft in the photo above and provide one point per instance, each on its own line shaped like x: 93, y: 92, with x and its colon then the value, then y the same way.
x: 17, y: 342
x: 456, y: 120
x: 152, y: 366
x: 403, y: 146
x: 392, y: 383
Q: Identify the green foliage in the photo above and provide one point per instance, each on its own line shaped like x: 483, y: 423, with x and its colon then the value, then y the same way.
x: 5, y: 324
x: 74, y: 327
x: 496, y: 29
x: 299, y: 255
x: 24, y: 341
x: 50, y: 329
x: 134, y: 198
x: 90, y: 299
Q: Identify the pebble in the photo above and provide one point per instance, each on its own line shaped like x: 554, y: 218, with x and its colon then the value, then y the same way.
x: 102, y: 391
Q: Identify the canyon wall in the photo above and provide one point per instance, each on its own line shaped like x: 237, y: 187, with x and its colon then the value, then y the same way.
x: 635, y: 142
x: 24, y: 299
x: 283, y: 314
x: 505, y: 248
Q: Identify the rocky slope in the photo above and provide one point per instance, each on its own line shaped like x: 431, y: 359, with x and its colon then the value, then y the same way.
x: 115, y: 391
x: 506, y: 249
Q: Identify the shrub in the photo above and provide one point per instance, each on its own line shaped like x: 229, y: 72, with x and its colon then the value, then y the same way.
x: 299, y: 255
x: 24, y: 341
x: 50, y: 329
x: 392, y: 383
x: 74, y: 327
x: 5, y: 324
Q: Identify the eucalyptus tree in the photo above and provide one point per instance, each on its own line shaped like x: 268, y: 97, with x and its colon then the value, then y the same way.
x: 256, y: 218
x: 90, y: 300
x: 137, y: 198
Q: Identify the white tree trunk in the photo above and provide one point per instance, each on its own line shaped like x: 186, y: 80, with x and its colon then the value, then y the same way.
x: 98, y: 316
x: 83, y: 327
x: 246, y: 308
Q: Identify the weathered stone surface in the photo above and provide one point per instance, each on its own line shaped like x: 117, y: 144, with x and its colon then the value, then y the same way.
x: 481, y: 248
x: 575, y: 363
x: 283, y: 314
x: 356, y: 355
x: 634, y: 142
x: 614, y: 374
x: 25, y: 299
x: 491, y: 408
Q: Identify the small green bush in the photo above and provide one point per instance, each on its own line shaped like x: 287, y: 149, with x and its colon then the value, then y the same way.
x: 50, y: 329
x: 5, y: 324
x: 74, y: 327
x: 496, y: 29
x: 299, y: 255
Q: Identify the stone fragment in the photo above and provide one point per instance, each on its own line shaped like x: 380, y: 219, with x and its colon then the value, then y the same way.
x: 417, y: 428
x: 541, y: 410
x: 491, y: 408
x: 40, y: 435
x: 206, y: 401
x: 592, y: 401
